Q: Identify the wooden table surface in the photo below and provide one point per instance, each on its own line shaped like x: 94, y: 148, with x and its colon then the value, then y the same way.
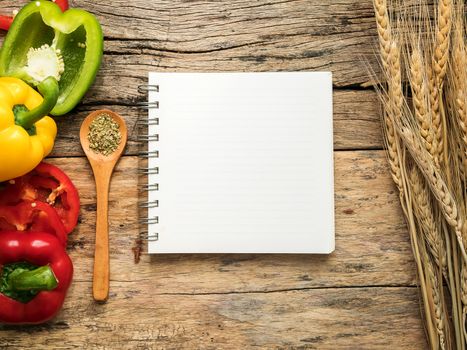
x: 363, y: 296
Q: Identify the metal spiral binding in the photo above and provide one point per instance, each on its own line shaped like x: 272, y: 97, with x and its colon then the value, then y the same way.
x: 147, y: 138
x: 149, y: 171
x: 144, y: 236
x: 144, y: 138
x: 149, y: 205
x: 148, y: 122
x: 142, y: 89
x: 148, y: 105
x: 153, y: 220
x: 149, y: 154
x: 151, y: 187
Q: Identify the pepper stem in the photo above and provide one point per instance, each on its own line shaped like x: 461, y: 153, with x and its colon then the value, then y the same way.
x: 49, y: 90
x: 37, y: 280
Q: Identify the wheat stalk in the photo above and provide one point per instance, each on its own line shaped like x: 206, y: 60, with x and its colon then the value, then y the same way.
x: 456, y: 100
x: 464, y: 294
x: 449, y: 209
x: 438, y: 186
x: 394, y: 107
x: 427, y: 151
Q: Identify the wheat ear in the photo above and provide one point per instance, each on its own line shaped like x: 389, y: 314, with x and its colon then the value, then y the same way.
x: 425, y: 215
x: 461, y: 103
x: 393, y: 109
x: 385, y: 37
x: 438, y: 312
x: 384, y: 30
x: 436, y: 182
x: 393, y: 106
x: 443, y: 31
x: 459, y: 76
x: 436, y: 121
x: 392, y: 144
x: 441, y: 55
x: 420, y: 99
x: 396, y: 96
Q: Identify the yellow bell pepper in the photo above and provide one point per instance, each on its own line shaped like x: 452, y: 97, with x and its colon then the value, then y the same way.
x: 27, y: 134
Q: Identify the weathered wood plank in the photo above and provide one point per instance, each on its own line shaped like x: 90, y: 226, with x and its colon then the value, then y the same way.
x: 341, y: 301
x: 281, y: 35
x: 238, y: 35
x: 245, y: 35
x: 372, y: 243
x: 355, y: 318
x: 356, y: 124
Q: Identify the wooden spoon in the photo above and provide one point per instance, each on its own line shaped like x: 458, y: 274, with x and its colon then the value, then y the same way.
x: 103, y: 167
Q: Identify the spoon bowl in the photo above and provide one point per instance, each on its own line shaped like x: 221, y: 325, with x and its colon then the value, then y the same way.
x: 98, y: 157
x: 102, y: 167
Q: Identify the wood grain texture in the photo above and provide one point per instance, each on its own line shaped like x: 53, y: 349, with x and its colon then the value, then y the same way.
x: 372, y: 246
x: 363, y: 296
x: 356, y: 123
x: 349, y: 318
x: 238, y: 36
x: 243, y: 301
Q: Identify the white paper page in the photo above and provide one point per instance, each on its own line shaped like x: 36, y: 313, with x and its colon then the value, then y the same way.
x: 245, y: 163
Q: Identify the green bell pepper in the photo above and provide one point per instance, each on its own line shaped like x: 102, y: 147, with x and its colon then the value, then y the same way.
x: 45, y: 42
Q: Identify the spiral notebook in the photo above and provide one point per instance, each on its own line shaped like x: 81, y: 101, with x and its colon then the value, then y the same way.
x: 240, y: 163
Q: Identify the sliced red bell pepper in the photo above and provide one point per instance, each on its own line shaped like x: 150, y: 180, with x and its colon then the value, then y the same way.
x: 46, y: 183
x: 63, y: 4
x: 6, y: 21
x: 32, y: 217
x: 35, y: 274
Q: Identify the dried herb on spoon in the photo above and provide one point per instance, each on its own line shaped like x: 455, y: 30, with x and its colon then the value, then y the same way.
x: 104, y: 135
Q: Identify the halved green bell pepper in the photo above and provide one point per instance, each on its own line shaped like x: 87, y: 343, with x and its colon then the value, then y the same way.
x: 45, y: 42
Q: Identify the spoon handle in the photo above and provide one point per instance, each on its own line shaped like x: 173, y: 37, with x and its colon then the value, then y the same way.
x: 100, y: 287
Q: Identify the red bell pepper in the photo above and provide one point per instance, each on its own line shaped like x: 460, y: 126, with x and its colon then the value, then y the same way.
x: 32, y: 217
x: 46, y: 183
x: 6, y: 21
x: 36, y: 273
x: 63, y: 4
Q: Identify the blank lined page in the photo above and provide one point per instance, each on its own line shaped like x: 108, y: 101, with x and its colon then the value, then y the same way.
x: 245, y: 163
